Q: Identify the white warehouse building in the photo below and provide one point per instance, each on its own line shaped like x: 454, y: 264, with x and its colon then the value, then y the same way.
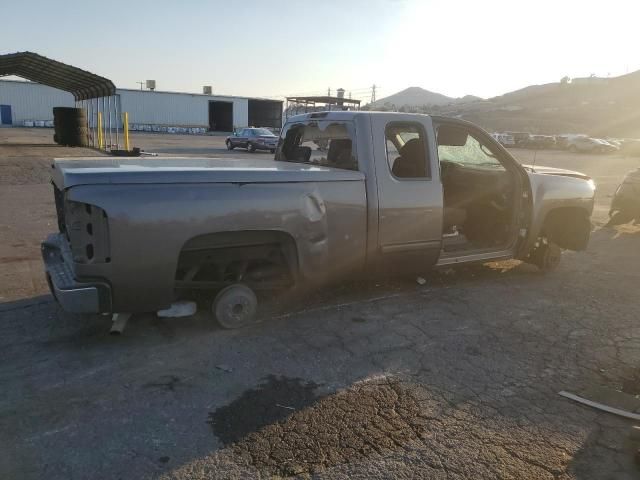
x: 24, y: 103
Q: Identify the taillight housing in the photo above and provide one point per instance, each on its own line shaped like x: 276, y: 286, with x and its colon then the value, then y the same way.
x: 87, y: 230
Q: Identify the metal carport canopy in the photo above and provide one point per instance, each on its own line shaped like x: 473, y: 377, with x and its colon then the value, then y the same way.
x: 82, y: 84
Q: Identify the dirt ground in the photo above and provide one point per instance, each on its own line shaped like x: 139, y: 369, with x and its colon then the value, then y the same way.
x: 28, y: 213
x: 458, y: 378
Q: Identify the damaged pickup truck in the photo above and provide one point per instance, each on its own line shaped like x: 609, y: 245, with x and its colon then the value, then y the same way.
x: 348, y: 192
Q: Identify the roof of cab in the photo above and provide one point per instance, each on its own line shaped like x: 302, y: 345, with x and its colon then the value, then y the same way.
x: 344, y: 115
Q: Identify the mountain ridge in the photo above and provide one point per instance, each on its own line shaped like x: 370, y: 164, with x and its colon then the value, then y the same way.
x: 599, y: 106
x: 418, y: 97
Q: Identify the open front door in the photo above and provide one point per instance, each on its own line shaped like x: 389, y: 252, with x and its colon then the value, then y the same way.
x: 409, y: 190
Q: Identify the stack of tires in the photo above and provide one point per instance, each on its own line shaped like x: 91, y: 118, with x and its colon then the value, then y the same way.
x: 70, y: 126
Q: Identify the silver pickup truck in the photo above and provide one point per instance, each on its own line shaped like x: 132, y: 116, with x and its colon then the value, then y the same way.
x: 348, y: 192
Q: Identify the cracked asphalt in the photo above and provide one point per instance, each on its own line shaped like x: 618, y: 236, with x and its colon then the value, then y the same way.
x: 454, y: 379
x: 458, y: 378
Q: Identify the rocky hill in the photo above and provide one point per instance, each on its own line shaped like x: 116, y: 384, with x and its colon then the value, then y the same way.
x: 596, y: 106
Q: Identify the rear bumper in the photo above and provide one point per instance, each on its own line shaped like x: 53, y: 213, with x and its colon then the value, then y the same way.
x: 72, y: 295
x: 264, y: 146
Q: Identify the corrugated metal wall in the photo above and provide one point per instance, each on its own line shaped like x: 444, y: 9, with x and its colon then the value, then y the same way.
x: 240, y: 112
x: 169, y: 108
x: 159, y: 108
x: 32, y: 101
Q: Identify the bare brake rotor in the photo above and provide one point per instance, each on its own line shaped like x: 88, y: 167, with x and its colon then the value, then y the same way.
x: 235, y: 306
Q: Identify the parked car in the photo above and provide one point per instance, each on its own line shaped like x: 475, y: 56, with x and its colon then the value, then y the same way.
x: 541, y: 141
x: 504, y: 139
x: 253, y: 139
x: 625, y: 205
x: 616, y: 142
x: 562, y: 141
x: 520, y: 138
x: 630, y: 147
x: 591, y: 145
x: 390, y: 192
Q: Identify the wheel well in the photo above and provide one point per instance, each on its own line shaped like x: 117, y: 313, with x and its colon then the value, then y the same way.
x: 568, y: 227
x: 262, y: 259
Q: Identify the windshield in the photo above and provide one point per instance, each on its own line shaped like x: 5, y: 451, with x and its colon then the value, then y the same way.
x: 472, y: 153
x: 263, y: 131
x: 327, y: 143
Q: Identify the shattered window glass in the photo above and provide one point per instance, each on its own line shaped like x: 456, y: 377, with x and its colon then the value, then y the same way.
x: 326, y: 143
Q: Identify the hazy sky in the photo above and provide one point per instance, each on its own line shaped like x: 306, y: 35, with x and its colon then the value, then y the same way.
x: 278, y: 47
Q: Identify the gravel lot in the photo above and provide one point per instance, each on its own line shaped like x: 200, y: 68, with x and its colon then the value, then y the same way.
x: 383, y: 379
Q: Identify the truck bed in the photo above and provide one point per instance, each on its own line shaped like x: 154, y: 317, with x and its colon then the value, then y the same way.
x: 100, y: 170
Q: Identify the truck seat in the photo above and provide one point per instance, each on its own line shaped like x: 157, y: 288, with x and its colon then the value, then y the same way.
x: 411, y: 162
x: 339, y: 154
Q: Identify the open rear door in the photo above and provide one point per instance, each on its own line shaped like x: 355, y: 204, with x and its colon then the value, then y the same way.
x: 410, y: 193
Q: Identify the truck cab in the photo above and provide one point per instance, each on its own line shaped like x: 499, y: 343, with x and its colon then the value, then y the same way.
x: 440, y: 191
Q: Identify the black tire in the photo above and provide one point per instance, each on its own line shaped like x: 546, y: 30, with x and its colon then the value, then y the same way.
x: 229, y: 145
x: 620, y: 217
x: 78, y: 138
x: 251, y: 148
x: 70, y: 126
x: 235, y: 306
x: 546, y: 256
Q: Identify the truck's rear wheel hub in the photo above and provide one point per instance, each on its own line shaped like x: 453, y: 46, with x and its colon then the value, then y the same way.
x: 235, y: 306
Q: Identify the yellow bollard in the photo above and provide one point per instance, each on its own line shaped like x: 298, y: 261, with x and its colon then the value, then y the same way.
x: 125, y: 128
x: 100, y: 139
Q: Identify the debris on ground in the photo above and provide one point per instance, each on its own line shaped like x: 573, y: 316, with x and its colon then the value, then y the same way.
x: 119, y: 323
x: 179, y: 309
x: 600, y: 406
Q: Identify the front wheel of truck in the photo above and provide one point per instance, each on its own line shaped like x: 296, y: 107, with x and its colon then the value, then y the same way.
x: 235, y: 306
x: 546, y: 256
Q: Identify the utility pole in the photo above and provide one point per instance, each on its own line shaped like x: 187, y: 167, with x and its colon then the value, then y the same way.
x: 373, y: 93
x: 329, y: 92
x: 141, y: 84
